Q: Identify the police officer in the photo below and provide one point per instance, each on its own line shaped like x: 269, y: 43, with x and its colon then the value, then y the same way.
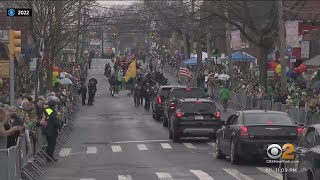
x: 148, y: 95
x: 51, y: 129
x: 83, y: 92
x: 92, y: 87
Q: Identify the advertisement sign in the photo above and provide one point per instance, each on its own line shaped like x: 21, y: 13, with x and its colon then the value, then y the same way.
x: 305, y: 49
x: 292, y: 33
x: 236, y: 40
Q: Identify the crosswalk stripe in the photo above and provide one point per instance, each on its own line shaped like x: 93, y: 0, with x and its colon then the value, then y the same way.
x: 88, y: 179
x: 189, y: 145
x: 270, y: 172
x: 164, y: 176
x: 116, y: 148
x: 201, y: 175
x: 99, y: 69
x: 142, y: 147
x: 91, y: 150
x: 235, y: 173
x: 93, y: 69
x: 212, y: 144
x: 124, y: 177
x: 64, y: 152
x: 166, y: 146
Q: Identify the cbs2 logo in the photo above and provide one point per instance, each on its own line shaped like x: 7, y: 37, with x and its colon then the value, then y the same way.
x: 274, y: 151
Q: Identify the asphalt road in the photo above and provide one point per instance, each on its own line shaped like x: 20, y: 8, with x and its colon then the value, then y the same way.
x: 113, y: 140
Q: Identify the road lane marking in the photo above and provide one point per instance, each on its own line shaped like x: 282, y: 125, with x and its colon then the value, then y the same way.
x: 64, y: 152
x: 99, y: 69
x: 166, y: 146
x: 142, y: 141
x: 271, y: 172
x: 142, y: 147
x: 201, y: 175
x: 124, y: 177
x: 212, y: 144
x: 164, y: 176
x: 235, y: 173
x: 91, y: 150
x: 88, y: 179
x: 116, y: 148
x: 93, y: 69
x: 189, y: 145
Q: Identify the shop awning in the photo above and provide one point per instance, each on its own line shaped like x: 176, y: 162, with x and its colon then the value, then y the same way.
x: 192, y: 61
x: 241, y: 56
x: 315, y: 61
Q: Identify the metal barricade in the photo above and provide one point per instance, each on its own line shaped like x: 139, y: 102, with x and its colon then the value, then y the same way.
x: 10, y: 162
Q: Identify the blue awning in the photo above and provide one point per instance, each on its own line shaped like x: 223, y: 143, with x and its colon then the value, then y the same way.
x: 192, y: 62
x: 242, y: 56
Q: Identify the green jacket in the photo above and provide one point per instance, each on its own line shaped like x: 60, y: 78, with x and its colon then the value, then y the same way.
x: 119, y: 76
x: 225, y: 94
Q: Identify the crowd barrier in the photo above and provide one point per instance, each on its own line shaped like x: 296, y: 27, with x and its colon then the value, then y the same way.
x: 27, y: 158
x: 241, y: 101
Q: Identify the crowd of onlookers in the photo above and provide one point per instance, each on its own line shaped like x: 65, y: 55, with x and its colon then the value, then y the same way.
x: 27, y: 116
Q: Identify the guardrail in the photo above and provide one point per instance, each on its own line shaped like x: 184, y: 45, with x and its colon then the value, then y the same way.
x: 26, y: 158
x: 241, y: 101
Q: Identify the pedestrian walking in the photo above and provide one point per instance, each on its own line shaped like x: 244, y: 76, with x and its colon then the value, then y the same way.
x: 92, y: 89
x: 51, y: 130
x: 148, y: 94
x: 224, y: 97
x: 136, y: 94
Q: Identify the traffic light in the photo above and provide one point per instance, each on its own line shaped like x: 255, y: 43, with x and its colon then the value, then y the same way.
x: 14, y: 43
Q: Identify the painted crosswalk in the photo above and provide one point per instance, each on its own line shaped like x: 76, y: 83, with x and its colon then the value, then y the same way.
x: 270, y: 172
x: 64, y: 152
x: 165, y: 145
x: 229, y: 173
x: 91, y: 150
x: 116, y: 148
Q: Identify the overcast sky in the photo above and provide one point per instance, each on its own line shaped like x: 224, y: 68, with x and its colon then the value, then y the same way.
x: 111, y: 2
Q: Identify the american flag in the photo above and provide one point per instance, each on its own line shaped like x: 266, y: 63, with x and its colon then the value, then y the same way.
x: 184, y: 71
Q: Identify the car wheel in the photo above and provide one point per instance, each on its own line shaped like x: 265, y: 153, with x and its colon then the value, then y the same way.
x: 219, y: 154
x: 234, y: 158
x: 310, y: 176
x: 175, y: 136
x: 165, y: 121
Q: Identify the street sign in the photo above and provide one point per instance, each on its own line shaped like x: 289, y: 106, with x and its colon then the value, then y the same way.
x: 4, y: 35
x: 33, y: 64
x: 293, y: 59
x: 289, y: 50
x: 4, y: 69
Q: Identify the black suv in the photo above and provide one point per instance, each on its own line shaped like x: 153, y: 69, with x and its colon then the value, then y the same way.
x: 177, y: 93
x: 161, y: 97
x: 194, y: 117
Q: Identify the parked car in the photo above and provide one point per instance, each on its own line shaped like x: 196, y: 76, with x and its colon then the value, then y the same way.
x: 307, y: 156
x: 177, y: 93
x: 161, y: 97
x: 194, y: 117
x: 249, y: 133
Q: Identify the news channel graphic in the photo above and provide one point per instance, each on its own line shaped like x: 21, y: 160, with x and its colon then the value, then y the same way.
x: 19, y: 12
x: 281, y: 154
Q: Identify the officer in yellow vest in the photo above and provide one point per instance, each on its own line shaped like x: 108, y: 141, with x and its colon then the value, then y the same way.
x: 51, y: 129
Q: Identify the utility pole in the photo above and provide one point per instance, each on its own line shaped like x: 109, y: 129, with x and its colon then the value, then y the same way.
x: 208, y: 39
x: 229, y: 51
x: 282, y: 47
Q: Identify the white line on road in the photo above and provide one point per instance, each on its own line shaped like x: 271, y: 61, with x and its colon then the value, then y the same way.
x: 212, y: 144
x: 164, y: 176
x: 88, y: 179
x: 64, y: 152
x: 142, y: 147
x: 201, y: 175
x: 189, y: 145
x: 93, y: 69
x: 166, y: 146
x: 235, y: 173
x: 91, y: 150
x: 142, y: 141
x: 99, y: 69
x: 124, y: 177
x: 270, y: 172
x: 116, y: 149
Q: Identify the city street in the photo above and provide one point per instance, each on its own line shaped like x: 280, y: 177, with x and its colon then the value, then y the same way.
x: 114, y: 140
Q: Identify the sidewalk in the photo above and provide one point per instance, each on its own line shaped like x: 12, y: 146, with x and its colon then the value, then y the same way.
x: 173, y: 81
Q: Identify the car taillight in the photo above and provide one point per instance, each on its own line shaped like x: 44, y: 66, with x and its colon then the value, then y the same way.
x: 188, y: 89
x: 179, y: 115
x: 299, y: 131
x: 217, y: 115
x: 159, y: 100
x: 244, y: 132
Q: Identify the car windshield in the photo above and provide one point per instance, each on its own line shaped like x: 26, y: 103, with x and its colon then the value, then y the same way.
x: 188, y: 93
x: 267, y: 119
x: 194, y: 107
x: 165, y: 92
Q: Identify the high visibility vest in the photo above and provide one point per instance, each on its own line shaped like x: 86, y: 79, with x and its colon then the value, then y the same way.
x: 49, y: 111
